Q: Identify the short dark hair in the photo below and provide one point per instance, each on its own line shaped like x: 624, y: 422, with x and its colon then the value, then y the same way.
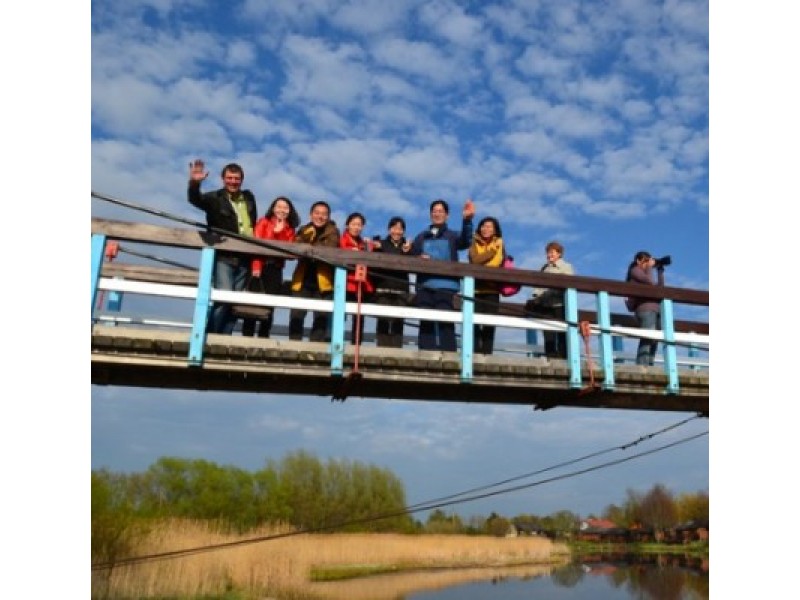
x: 233, y: 168
x: 320, y: 203
x: 394, y: 221
x: 639, y: 256
x: 444, y: 204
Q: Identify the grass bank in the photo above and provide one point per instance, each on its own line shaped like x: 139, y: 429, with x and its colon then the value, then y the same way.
x: 316, y: 567
x: 698, y: 549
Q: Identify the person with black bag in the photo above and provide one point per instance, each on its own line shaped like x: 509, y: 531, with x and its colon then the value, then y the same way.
x: 549, y: 303
x: 266, y: 274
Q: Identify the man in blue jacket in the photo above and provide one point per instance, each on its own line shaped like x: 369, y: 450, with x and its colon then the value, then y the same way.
x: 233, y: 209
x: 438, y: 242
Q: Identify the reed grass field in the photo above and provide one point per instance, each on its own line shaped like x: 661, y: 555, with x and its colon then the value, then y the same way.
x: 285, y: 568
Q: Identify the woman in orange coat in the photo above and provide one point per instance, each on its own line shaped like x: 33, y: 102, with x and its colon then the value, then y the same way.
x: 487, y: 250
x: 279, y: 224
x: 352, y: 240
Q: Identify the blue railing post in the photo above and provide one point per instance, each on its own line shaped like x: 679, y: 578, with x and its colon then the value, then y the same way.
x: 114, y: 302
x: 573, y: 343
x: 670, y: 351
x: 202, y: 307
x: 606, y: 347
x: 337, y: 321
x: 467, y: 324
x: 98, y: 250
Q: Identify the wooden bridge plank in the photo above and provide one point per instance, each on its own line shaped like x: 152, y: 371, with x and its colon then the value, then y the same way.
x: 140, y: 358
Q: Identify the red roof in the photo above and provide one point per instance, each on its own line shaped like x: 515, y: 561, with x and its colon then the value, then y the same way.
x: 600, y: 524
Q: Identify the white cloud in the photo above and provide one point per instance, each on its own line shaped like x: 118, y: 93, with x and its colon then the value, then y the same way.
x: 324, y: 73
x: 240, y: 54
x: 370, y: 17
x: 422, y: 59
x: 450, y: 22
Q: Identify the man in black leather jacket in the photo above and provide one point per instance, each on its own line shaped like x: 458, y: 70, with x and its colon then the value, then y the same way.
x: 232, y: 209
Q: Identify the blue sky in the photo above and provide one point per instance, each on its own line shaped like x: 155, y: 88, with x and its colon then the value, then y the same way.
x: 586, y: 123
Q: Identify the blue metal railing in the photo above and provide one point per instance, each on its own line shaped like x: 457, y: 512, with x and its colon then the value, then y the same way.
x: 608, y: 341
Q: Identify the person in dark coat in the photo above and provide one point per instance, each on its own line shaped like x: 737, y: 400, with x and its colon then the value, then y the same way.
x: 232, y: 209
x: 391, y: 287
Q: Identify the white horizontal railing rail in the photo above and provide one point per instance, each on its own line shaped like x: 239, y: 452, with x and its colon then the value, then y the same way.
x: 204, y: 296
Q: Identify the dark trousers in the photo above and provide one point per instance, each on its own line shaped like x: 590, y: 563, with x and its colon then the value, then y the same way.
x: 434, y: 335
x: 555, y: 343
x: 488, y: 304
x: 297, y: 317
x: 389, y: 331
x: 357, y: 324
x: 646, y: 352
x: 271, y: 279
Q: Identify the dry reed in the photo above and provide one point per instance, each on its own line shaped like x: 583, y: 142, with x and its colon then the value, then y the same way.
x: 282, y: 567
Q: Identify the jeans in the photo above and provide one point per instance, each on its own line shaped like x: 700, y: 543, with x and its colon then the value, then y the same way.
x: 227, y: 276
x: 429, y: 331
x: 647, y: 319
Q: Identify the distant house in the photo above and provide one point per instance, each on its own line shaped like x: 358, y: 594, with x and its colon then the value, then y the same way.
x: 692, y: 531
x: 529, y: 529
x: 597, y: 524
x: 602, y: 530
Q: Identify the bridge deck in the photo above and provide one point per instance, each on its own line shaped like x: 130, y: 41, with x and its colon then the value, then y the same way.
x: 147, y: 357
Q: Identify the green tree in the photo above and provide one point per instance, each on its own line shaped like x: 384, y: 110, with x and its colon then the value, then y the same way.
x: 497, y: 525
x: 563, y: 523
x: 115, y: 528
x: 301, y: 478
x: 633, y: 509
x: 615, y: 514
x: 440, y: 522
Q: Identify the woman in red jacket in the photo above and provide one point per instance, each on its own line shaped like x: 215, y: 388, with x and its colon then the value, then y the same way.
x: 351, y: 240
x: 278, y: 224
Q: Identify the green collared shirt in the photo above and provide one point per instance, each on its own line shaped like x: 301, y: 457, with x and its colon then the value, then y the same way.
x: 240, y: 206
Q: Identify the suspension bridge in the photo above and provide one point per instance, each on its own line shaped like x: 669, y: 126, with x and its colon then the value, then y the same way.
x: 149, y: 318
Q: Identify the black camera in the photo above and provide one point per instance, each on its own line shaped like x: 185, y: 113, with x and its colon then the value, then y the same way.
x: 376, y: 238
x: 664, y: 261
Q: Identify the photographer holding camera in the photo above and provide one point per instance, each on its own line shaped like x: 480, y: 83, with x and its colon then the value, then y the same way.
x: 647, y: 312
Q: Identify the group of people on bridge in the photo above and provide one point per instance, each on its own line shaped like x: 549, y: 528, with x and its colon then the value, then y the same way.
x: 234, y: 209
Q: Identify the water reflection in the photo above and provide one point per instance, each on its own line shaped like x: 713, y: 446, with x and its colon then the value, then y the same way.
x: 657, y: 576
x: 595, y: 577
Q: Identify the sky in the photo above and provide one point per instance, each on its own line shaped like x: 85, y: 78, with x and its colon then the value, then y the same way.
x: 591, y: 127
x: 586, y: 123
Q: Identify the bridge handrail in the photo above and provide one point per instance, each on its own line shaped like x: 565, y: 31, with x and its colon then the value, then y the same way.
x: 189, y: 277
x: 204, y: 295
x: 190, y: 238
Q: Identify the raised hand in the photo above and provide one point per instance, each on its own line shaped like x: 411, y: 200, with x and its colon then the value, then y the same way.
x: 469, y: 209
x: 197, y: 170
